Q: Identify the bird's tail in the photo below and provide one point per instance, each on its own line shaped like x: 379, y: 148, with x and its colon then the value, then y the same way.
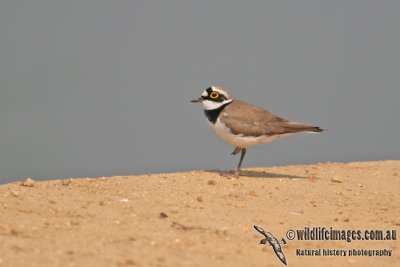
x: 297, y: 127
x: 316, y: 129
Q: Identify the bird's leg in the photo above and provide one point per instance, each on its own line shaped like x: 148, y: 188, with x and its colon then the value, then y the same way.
x: 237, y: 172
x: 237, y: 150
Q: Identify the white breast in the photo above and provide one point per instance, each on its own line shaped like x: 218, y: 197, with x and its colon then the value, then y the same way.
x: 239, y: 140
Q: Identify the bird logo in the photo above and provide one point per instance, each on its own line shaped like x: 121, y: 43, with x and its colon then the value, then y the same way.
x: 274, y: 242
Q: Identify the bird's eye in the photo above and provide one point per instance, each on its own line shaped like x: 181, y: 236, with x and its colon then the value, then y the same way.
x: 214, y: 95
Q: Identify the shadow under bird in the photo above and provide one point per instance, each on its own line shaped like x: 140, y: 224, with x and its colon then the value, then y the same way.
x: 274, y: 242
x: 244, y: 125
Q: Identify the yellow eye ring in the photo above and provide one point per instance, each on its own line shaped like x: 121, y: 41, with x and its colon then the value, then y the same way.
x: 214, y: 95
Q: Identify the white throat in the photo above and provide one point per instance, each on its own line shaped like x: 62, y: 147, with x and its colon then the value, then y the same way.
x: 210, y: 105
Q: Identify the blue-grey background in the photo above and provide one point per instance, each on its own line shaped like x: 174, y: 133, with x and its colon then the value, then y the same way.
x: 99, y: 88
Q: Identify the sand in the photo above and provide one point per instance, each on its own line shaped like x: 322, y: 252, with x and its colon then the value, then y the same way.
x: 199, y: 218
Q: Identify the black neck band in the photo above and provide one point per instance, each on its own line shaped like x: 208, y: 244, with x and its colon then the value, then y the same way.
x: 212, y: 114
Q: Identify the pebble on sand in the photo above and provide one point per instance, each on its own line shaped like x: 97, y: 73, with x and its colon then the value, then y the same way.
x: 29, y: 182
x: 163, y: 215
x: 66, y: 182
x: 336, y: 180
x: 211, y: 182
x: 14, y: 193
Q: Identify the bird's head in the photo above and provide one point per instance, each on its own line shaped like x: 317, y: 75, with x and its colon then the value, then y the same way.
x: 263, y: 241
x: 213, y: 98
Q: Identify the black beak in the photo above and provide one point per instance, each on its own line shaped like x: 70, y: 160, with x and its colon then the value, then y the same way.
x: 197, y: 100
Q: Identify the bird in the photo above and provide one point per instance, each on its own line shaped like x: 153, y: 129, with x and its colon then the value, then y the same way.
x: 244, y: 125
x: 274, y: 242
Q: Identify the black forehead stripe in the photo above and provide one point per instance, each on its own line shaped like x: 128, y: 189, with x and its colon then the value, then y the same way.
x: 209, y: 90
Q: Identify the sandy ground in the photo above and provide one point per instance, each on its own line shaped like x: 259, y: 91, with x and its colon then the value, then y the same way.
x: 199, y: 218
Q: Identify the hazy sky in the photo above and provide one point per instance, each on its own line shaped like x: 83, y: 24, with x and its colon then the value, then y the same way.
x: 99, y: 88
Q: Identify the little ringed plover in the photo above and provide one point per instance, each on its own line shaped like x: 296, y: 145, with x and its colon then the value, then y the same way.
x: 244, y: 125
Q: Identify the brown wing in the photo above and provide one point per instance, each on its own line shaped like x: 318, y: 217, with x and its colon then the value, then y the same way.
x: 278, y: 251
x: 260, y: 230
x: 249, y: 120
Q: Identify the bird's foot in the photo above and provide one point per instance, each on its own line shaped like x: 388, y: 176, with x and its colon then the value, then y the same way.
x: 231, y: 174
x: 236, y: 151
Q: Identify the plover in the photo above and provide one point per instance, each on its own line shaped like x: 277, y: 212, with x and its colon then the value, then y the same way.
x: 244, y: 125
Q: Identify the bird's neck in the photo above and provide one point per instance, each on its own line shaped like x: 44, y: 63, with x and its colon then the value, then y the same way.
x: 212, y: 114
